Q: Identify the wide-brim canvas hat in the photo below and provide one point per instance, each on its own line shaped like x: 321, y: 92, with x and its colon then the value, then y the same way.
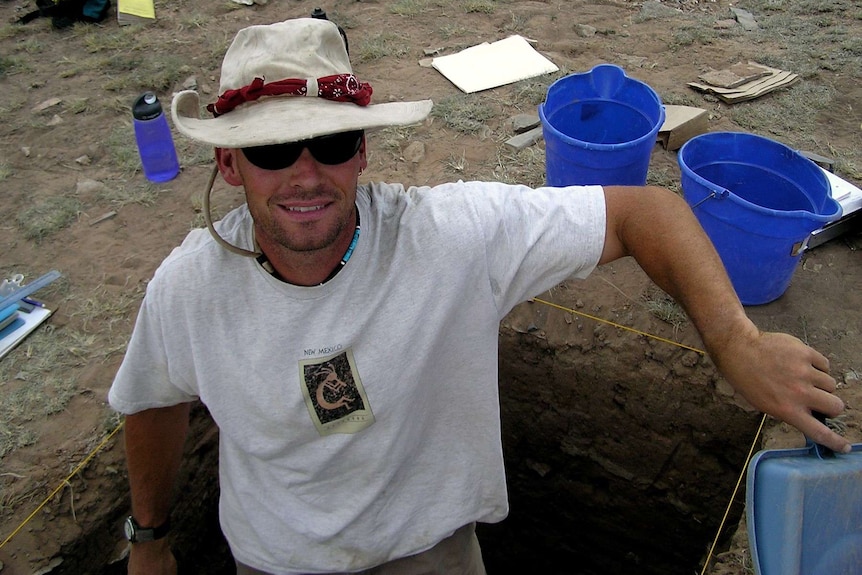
x: 287, y: 82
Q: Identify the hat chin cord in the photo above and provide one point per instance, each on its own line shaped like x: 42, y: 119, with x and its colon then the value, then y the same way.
x: 209, y: 220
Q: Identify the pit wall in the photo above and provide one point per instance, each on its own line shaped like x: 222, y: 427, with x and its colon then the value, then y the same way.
x: 622, y: 452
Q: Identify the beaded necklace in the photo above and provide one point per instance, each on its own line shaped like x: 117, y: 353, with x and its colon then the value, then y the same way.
x: 265, y: 263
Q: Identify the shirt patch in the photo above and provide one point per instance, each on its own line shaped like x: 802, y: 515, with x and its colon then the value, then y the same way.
x: 334, y: 394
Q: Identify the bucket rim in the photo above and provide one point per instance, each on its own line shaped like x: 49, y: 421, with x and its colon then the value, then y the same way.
x: 621, y: 78
x: 546, y: 125
x: 720, y: 192
x: 602, y: 68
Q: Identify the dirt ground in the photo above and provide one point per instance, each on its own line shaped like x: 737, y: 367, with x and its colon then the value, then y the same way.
x: 67, y: 140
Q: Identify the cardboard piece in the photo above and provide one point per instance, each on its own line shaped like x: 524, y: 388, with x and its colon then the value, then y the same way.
x: 135, y: 12
x: 773, y: 80
x: 682, y: 123
x: 735, y: 76
x: 486, y: 66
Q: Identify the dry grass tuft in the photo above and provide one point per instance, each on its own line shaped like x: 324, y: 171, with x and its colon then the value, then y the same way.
x: 37, y: 378
x: 464, y: 113
x: 35, y: 384
x: 44, y: 218
x: 525, y: 166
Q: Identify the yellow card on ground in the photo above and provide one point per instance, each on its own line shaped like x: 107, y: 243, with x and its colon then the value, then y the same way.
x: 135, y: 9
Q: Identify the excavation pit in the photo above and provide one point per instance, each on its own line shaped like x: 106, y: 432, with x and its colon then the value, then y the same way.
x: 622, y: 454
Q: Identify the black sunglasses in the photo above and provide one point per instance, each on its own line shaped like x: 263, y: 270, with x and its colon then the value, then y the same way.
x: 331, y: 150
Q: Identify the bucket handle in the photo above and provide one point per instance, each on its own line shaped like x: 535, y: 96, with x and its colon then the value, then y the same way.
x: 717, y: 194
x: 800, y: 246
x: 795, y: 250
x: 819, y: 450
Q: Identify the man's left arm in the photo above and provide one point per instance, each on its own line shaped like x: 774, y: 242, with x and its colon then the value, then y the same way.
x: 777, y: 373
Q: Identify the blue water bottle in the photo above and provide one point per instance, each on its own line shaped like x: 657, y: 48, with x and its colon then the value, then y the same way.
x: 320, y: 14
x: 155, y: 142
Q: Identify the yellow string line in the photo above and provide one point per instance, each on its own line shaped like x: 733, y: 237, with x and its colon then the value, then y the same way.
x: 63, y: 483
x: 631, y: 329
x: 572, y: 311
x: 733, y: 496
x: 753, y: 443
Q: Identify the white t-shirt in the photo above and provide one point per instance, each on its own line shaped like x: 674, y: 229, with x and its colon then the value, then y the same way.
x: 359, y: 420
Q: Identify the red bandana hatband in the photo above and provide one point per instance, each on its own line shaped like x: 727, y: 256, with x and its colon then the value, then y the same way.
x: 338, y: 88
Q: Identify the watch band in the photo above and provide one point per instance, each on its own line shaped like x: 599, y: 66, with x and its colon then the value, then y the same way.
x: 137, y: 534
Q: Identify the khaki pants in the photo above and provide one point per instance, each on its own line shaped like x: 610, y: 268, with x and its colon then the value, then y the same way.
x: 458, y: 554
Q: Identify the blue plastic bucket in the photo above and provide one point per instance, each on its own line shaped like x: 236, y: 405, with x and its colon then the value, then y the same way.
x: 758, y: 202
x: 599, y: 128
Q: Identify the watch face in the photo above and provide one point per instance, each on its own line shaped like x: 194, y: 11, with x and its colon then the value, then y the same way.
x: 137, y: 534
x: 129, y: 528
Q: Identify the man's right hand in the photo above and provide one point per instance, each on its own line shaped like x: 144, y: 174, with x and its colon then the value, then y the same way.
x: 152, y: 558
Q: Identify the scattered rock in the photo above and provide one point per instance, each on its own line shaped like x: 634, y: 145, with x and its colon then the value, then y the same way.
x: 690, y: 359
x: 87, y: 187
x: 52, y: 564
x: 745, y: 19
x: 585, y: 30
x: 26, y: 151
x: 190, y: 83
x: 811, y: 266
x: 523, y: 122
x: 724, y: 388
x: 49, y: 103
x: 528, y: 138
x: 851, y: 377
x: 426, y: 62
x: 652, y: 10
x: 83, y: 160
x: 415, y: 152
x: 725, y: 24
x: 542, y: 469
x: 636, y: 61
x: 103, y: 217
x: 55, y: 120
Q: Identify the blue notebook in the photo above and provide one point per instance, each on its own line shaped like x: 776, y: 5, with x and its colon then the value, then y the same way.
x: 8, y: 315
x: 21, y: 324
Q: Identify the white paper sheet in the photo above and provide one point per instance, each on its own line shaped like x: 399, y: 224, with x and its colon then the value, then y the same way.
x: 491, y: 65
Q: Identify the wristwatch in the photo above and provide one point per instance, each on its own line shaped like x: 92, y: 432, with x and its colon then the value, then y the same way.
x: 137, y: 534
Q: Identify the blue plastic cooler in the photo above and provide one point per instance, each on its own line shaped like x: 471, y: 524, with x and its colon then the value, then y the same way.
x: 804, y: 511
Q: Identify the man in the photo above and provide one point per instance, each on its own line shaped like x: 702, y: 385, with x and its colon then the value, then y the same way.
x: 351, y: 362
